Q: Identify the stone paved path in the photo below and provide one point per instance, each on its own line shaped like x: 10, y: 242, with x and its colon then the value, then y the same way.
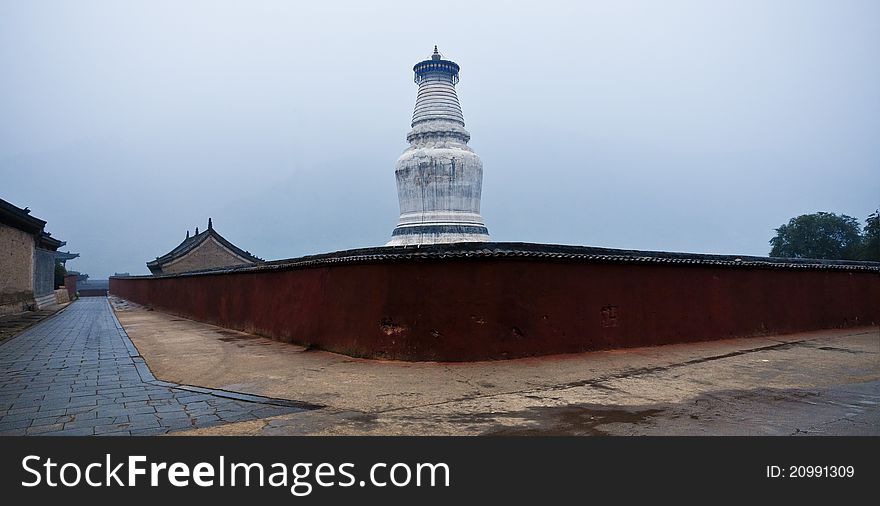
x: 78, y: 373
x: 14, y: 324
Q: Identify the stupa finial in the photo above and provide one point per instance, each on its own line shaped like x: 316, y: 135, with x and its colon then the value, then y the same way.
x: 436, y: 55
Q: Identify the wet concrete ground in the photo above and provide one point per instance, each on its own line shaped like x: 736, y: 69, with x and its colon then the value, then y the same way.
x: 836, y: 411
x: 817, y: 383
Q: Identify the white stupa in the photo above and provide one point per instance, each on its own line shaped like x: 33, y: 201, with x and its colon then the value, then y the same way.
x: 439, y: 178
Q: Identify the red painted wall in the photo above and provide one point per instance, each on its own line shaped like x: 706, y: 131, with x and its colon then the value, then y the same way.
x: 70, y: 284
x: 474, y: 309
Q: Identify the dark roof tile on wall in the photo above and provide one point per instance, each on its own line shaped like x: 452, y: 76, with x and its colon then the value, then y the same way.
x: 517, y: 250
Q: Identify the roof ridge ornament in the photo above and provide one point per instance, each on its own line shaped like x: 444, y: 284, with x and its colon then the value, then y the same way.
x: 210, y: 225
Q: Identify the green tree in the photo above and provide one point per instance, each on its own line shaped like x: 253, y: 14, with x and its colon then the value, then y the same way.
x: 60, y: 272
x: 871, y: 238
x: 818, y: 235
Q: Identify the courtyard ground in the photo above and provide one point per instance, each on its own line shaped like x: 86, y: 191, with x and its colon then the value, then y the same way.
x: 817, y: 383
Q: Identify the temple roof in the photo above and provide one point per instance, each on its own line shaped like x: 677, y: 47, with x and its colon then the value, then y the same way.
x: 46, y: 241
x: 191, y: 242
x: 20, y: 218
x: 65, y: 256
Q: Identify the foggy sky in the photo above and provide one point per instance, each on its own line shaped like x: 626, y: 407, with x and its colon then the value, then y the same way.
x: 686, y: 126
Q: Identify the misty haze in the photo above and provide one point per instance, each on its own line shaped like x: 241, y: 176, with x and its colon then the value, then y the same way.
x: 679, y: 126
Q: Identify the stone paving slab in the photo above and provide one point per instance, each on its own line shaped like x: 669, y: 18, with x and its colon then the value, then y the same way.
x: 13, y: 324
x: 78, y: 373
